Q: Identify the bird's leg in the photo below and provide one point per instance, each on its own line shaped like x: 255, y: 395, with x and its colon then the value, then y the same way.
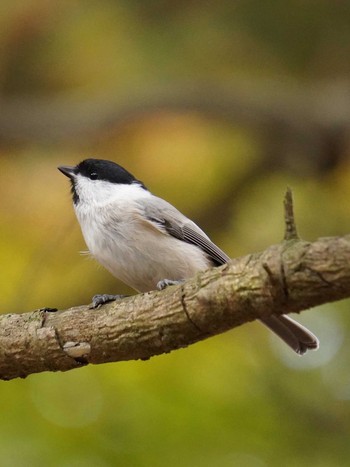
x: 166, y: 282
x: 101, y: 299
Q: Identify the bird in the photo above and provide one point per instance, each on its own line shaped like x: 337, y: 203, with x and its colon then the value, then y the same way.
x: 148, y: 244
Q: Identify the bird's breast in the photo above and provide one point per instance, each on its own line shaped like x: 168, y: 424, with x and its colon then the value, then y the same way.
x: 137, y: 254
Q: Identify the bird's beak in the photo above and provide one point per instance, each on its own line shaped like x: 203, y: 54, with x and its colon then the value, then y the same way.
x: 69, y: 172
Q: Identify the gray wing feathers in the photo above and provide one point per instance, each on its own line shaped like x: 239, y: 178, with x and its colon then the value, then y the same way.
x: 214, y: 252
x: 170, y: 220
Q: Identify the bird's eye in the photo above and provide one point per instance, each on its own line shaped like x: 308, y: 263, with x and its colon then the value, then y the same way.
x: 93, y: 176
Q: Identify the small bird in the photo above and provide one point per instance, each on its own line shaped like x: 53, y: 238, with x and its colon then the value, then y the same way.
x: 146, y: 242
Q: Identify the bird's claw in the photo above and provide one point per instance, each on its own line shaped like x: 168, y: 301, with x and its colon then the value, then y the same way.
x: 101, y: 299
x: 164, y: 283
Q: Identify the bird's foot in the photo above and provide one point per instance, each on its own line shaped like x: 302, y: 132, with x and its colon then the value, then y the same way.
x: 164, y: 283
x: 47, y: 309
x: 101, y: 299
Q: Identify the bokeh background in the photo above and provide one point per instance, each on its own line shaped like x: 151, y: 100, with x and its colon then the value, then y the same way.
x: 218, y: 107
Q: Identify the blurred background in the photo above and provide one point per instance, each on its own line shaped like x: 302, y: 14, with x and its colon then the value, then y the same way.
x: 217, y: 107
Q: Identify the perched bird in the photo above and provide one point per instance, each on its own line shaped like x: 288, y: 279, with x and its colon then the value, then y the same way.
x: 146, y: 242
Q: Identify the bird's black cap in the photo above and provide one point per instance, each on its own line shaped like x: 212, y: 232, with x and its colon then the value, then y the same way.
x: 99, y: 169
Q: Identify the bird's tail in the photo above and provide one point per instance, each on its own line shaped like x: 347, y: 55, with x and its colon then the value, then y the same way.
x: 299, y: 338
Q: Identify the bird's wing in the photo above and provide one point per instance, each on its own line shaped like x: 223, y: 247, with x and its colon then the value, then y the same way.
x: 169, y: 220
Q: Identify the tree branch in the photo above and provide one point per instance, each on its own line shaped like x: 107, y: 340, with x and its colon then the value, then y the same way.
x: 290, y: 226
x: 288, y: 277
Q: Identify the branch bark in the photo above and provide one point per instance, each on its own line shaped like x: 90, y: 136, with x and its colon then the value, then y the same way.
x: 288, y: 277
